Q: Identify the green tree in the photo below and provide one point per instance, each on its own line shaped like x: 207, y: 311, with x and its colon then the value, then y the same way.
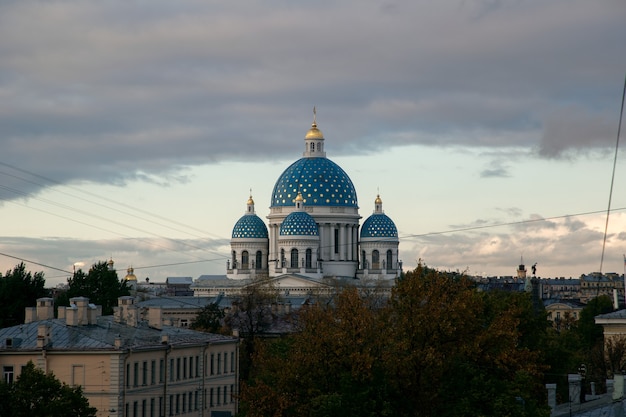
x: 101, y: 285
x: 19, y: 289
x: 438, y: 348
x: 209, y: 319
x: 35, y: 393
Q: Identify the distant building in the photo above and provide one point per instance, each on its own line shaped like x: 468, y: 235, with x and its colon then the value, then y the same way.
x: 562, y: 313
x: 126, y: 366
x: 595, y: 284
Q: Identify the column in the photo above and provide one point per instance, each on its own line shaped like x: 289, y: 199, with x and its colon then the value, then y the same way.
x: 342, y: 242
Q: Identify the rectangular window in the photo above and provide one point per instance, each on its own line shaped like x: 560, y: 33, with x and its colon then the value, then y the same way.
x: 191, y: 367
x: 232, y: 361
x: 219, y: 363
x: 153, y: 372
x: 184, y: 403
x: 232, y: 391
x: 127, y: 410
x: 219, y: 390
x: 171, y: 369
x: 177, y: 403
x: 144, y: 373
x: 143, y: 408
x: 197, y: 366
x: 195, y: 400
x: 185, y: 367
x: 78, y: 375
x: 225, y: 394
x: 136, y: 374
x: 189, y: 401
x: 161, y: 369
x: 171, y: 405
x: 8, y: 374
x: 160, y: 406
x: 336, y: 240
x: 211, y: 397
x: 178, y: 369
x: 212, y: 362
x: 128, y: 375
x: 152, y: 407
x: 135, y: 409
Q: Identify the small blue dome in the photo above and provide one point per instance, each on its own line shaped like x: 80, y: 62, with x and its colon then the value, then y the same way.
x: 299, y: 223
x: 321, y: 182
x: 379, y: 225
x: 250, y: 226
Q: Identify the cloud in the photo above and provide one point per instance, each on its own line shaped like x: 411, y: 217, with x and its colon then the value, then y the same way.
x: 103, y: 90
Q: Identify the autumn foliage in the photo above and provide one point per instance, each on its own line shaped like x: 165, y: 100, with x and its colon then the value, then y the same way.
x: 436, y: 348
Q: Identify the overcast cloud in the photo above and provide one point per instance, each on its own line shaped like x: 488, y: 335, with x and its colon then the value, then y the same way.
x: 116, y: 91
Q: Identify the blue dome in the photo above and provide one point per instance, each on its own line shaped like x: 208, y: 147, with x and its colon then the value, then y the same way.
x: 299, y: 223
x: 379, y: 225
x: 250, y: 226
x: 321, y: 182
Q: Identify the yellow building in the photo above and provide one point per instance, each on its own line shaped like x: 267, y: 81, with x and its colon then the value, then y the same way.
x: 126, y: 366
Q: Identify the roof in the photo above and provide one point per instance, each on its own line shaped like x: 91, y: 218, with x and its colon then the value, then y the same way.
x: 177, y: 302
x: 379, y: 225
x: 101, y: 336
x: 179, y: 280
x: 321, y: 182
x: 250, y: 226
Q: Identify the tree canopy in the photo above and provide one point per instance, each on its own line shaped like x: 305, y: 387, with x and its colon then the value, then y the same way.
x: 438, y: 348
x: 35, y: 393
x: 101, y: 285
x: 19, y: 289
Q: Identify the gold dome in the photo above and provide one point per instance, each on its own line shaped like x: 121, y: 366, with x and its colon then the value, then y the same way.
x: 299, y: 197
x: 250, y: 200
x: 378, y: 200
x: 130, y: 276
x: 314, y: 133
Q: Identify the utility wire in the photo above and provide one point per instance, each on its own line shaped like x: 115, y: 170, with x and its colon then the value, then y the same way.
x: 608, y: 210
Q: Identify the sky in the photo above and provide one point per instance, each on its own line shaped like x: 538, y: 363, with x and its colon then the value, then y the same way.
x: 136, y: 130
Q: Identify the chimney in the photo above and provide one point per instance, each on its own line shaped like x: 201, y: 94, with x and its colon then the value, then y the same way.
x: 30, y: 315
x: 118, y: 342
x: 45, y: 308
x: 43, y: 336
x: 155, y: 317
x: 81, y: 304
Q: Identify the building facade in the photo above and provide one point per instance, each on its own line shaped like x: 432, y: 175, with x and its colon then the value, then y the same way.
x: 314, y: 231
x: 126, y: 366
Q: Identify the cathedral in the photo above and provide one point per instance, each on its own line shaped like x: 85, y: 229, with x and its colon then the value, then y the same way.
x: 313, y: 231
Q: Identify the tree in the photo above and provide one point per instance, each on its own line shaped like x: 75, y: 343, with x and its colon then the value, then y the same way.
x: 438, y: 348
x: 101, y: 285
x: 38, y: 394
x: 251, y: 314
x: 209, y: 319
x: 19, y: 289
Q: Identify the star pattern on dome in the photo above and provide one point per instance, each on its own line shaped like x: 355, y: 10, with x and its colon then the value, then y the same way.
x: 250, y: 226
x: 379, y: 225
x: 299, y: 223
x: 321, y: 182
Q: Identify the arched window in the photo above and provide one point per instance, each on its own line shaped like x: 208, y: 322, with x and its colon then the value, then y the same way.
x: 234, y: 260
x: 312, y: 146
x: 309, y: 259
x: 294, y: 258
x: 282, y: 258
x: 375, y: 259
x: 245, y: 260
x: 259, y: 260
x: 389, y: 260
x: 363, y: 260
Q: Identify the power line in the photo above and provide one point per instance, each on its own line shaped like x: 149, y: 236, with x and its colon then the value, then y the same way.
x: 608, y: 210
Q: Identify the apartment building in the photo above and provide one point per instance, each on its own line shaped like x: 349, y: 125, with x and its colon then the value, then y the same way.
x: 126, y: 366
